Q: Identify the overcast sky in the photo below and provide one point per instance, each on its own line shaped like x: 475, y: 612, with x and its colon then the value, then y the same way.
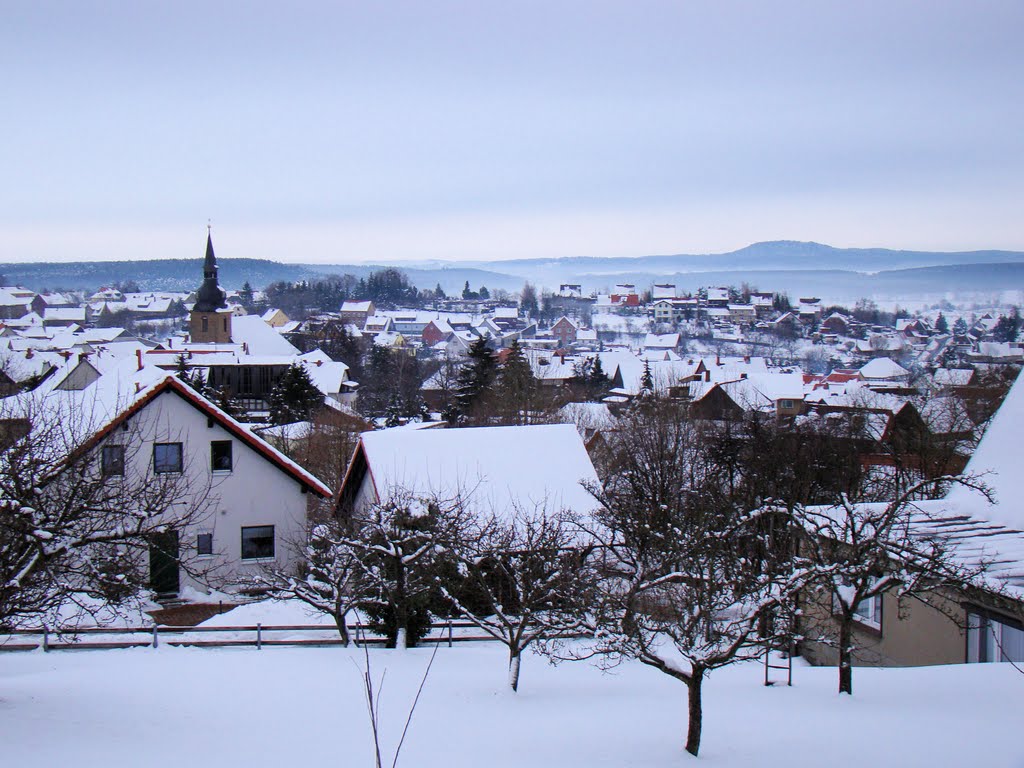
x: 385, y: 131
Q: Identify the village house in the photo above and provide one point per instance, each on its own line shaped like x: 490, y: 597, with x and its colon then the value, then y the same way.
x: 982, y: 623
x: 145, y: 424
x: 489, y: 470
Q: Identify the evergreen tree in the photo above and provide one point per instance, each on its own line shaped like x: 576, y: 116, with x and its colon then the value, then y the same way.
x: 294, y: 398
x: 484, y: 293
x: 528, y: 300
x: 598, y: 383
x: 960, y: 327
x: 515, y: 386
x: 439, y: 292
x: 193, y: 377
x: 1007, y: 326
x: 246, y: 295
x: 376, y: 385
x: 647, y: 381
x: 476, y: 378
x: 941, y: 324
x: 466, y: 293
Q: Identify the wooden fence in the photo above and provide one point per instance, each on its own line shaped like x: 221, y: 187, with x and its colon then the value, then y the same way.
x: 259, y: 636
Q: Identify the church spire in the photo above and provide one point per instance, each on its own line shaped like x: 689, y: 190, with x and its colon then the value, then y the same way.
x: 211, y: 296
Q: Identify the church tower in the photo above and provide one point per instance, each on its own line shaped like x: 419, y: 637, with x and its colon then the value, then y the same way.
x: 210, y: 321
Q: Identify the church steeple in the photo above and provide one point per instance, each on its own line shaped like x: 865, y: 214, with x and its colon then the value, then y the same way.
x: 211, y: 296
x: 210, y: 321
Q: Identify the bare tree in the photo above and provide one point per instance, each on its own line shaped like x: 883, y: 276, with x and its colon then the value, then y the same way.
x: 857, y: 552
x: 691, y: 582
x: 329, y: 576
x: 525, y: 580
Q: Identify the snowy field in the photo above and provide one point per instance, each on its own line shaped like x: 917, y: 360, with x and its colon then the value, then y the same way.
x: 304, y: 707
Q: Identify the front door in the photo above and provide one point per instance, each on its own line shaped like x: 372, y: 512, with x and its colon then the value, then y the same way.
x: 163, y: 563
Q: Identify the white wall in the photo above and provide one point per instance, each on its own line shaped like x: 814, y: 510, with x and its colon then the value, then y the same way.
x: 255, y: 492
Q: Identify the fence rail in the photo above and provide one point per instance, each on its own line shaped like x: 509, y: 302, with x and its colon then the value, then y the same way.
x: 153, y: 636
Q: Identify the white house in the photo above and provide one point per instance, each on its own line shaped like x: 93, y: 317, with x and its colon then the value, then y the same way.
x: 145, y: 426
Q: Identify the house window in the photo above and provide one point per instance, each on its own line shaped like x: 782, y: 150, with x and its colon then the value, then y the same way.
x: 167, y: 458
x: 206, y: 324
x: 993, y: 638
x: 204, y: 544
x: 258, y: 542
x: 785, y: 404
x: 220, y: 456
x: 869, y: 612
x: 112, y: 460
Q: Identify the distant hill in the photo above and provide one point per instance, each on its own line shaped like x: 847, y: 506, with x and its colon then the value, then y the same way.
x: 796, y: 267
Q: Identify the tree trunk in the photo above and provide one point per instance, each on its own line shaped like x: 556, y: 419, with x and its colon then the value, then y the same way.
x: 341, y: 621
x: 401, y: 609
x: 845, y: 655
x: 696, y: 712
x: 514, y: 661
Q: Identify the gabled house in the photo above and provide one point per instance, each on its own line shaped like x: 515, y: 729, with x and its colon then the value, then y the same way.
x: 564, y: 330
x: 356, y: 312
x: 146, y: 424
x: 490, y: 470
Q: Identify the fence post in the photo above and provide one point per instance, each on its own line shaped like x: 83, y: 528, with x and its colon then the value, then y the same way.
x: 449, y: 631
x: 156, y: 637
x: 259, y: 637
x: 46, y: 639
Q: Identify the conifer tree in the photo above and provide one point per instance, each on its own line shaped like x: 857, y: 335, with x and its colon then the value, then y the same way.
x: 515, y: 386
x: 476, y: 378
x: 647, y: 381
x: 294, y: 398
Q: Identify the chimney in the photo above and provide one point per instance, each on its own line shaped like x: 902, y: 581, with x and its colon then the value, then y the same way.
x: 746, y: 359
x: 28, y: 353
x: 138, y: 387
x: 319, y: 363
x: 138, y: 358
x: 707, y: 374
x: 83, y: 356
x: 718, y: 359
x: 743, y: 375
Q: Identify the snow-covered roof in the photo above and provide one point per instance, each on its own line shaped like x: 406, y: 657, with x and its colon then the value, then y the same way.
x: 883, y: 368
x: 953, y: 377
x: 356, y: 306
x: 492, y: 469
x: 661, y: 341
x: 259, y: 337
x: 997, y: 457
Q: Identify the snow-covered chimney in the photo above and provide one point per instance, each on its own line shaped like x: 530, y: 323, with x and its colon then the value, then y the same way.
x: 138, y: 358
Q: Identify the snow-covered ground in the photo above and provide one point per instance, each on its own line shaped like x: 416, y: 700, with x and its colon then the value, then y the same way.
x: 295, y: 707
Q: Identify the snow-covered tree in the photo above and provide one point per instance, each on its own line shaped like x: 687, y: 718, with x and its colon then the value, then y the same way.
x: 692, y: 581
x: 77, y: 515
x: 400, y: 546
x: 329, y: 578
x: 857, y: 552
x: 527, y: 578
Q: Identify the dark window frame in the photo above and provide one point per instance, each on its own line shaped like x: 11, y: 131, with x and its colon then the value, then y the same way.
x: 229, y: 456
x: 160, y: 467
x: 251, y: 550
x: 204, y: 538
x: 112, y: 467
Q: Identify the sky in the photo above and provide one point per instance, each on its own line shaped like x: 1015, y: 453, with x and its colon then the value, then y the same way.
x: 344, y: 132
